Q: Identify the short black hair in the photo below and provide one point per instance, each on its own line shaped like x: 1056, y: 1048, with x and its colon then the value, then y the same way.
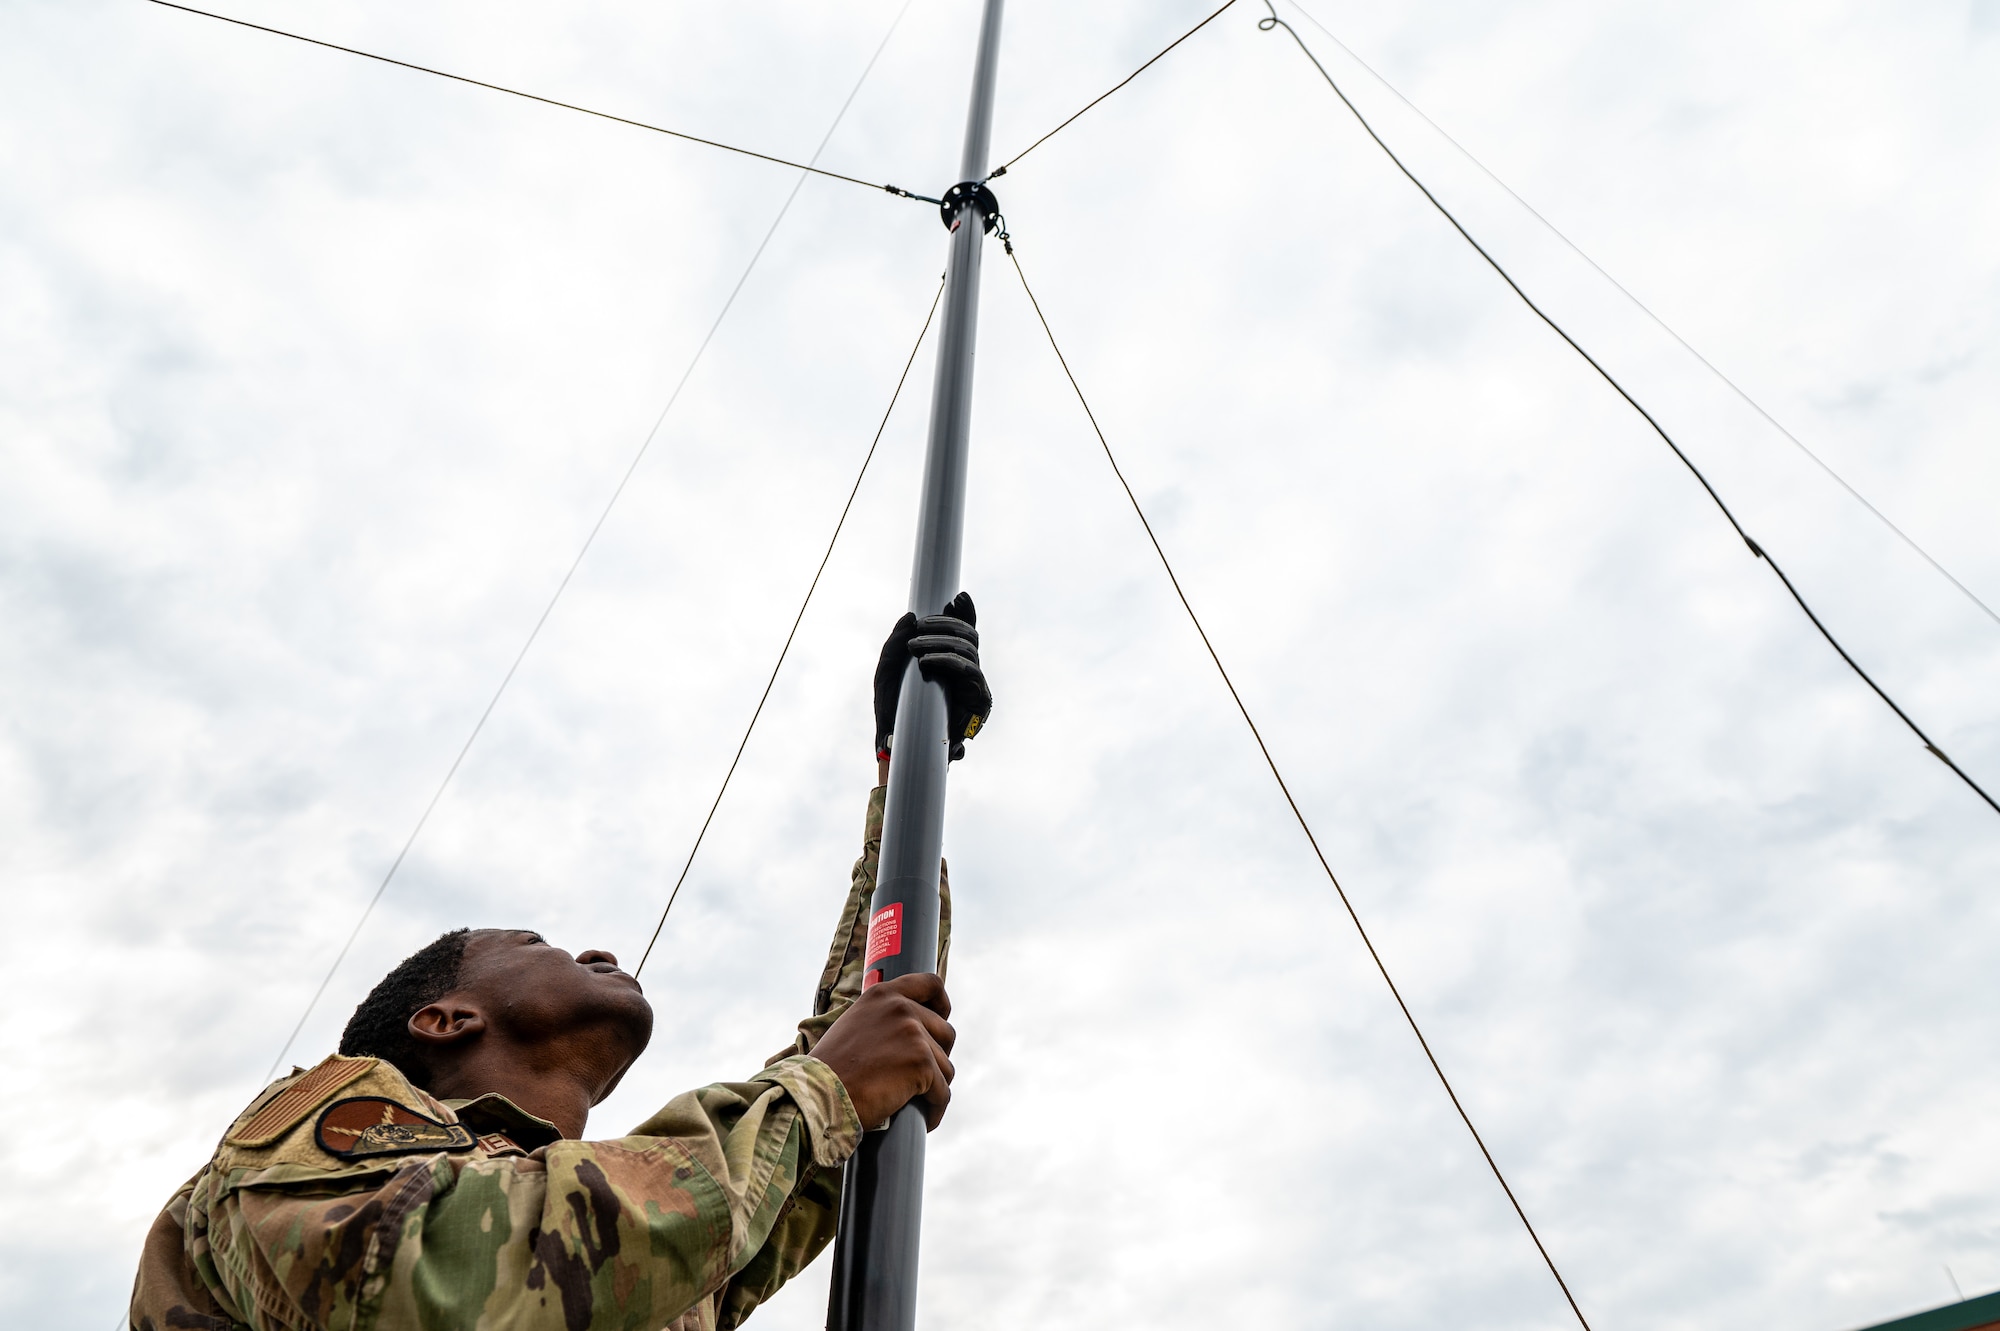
x: 380, y: 1027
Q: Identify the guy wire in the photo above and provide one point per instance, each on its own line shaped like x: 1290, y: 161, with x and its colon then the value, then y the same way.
x: 1002, y: 169
x: 797, y: 619
x: 1266, y: 24
x: 550, y: 101
x: 1647, y: 310
x: 1297, y: 813
x: 588, y: 540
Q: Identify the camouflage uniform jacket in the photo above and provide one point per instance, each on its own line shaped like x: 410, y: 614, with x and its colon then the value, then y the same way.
x: 346, y: 1199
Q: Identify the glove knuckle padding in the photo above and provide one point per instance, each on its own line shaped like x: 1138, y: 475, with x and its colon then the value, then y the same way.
x: 948, y: 626
x: 946, y: 649
x: 938, y: 644
x: 952, y: 668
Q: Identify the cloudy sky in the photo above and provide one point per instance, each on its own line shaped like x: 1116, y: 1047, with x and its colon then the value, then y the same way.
x: 315, y: 373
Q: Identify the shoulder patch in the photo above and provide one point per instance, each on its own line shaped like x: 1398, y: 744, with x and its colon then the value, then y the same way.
x: 368, y: 1125
x: 285, y: 1109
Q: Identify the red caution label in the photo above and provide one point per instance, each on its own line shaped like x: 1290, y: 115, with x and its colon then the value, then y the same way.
x: 885, y: 934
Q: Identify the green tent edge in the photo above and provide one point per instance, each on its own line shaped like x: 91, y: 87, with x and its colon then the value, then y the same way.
x: 1969, y: 1315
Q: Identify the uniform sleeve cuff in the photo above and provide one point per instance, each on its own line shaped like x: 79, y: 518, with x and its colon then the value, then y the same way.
x: 831, y: 1123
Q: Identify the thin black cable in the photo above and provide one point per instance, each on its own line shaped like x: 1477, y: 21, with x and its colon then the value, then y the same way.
x: 797, y: 619
x: 1002, y: 169
x: 588, y: 540
x: 1266, y: 24
x: 1647, y: 310
x: 1297, y: 813
x: 547, y: 101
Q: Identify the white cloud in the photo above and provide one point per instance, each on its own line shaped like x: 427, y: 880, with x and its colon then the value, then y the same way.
x: 313, y: 374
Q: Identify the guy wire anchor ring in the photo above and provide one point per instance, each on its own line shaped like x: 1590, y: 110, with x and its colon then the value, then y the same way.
x: 968, y: 194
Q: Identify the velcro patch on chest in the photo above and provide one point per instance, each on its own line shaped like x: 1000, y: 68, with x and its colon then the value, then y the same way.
x: 368, y: 1125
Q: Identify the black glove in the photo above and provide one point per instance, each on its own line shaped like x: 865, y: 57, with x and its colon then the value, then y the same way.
x: 946, y: 647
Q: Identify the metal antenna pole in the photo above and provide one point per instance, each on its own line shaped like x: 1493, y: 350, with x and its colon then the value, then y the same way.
x: 875, y: 1259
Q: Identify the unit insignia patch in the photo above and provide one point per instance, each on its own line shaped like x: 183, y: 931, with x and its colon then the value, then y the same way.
x: 369, y: 1125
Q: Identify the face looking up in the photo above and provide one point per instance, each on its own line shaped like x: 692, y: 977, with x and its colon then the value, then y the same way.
x: 539, y: 1007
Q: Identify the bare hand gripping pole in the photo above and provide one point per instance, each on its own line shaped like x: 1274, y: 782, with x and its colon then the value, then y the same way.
x: 875, y: 1258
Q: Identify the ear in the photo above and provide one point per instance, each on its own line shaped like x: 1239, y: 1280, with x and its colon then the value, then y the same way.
x: 449, y: 1021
